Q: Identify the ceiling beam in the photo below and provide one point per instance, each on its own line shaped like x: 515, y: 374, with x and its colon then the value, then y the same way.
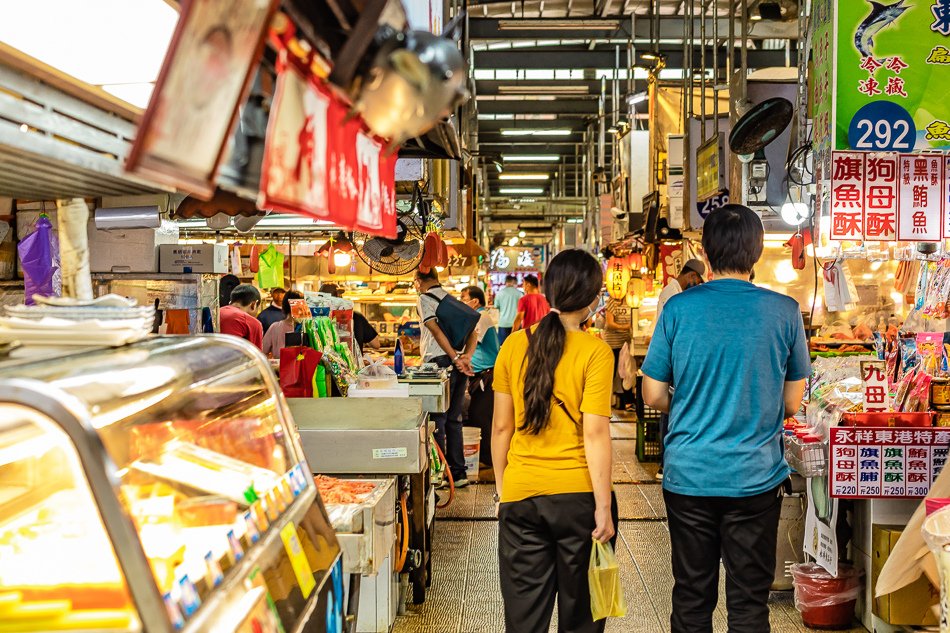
x: 573, y: 58
x: 671, y: 27
x: 559, y: 105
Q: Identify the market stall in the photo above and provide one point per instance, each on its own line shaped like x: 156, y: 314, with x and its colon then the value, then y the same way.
x: 155, y: 487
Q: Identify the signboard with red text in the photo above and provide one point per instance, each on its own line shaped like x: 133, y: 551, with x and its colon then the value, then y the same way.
x: 885, y: 462
x: 920, y: 198
x: 874, y: 385
x: 886, y: 196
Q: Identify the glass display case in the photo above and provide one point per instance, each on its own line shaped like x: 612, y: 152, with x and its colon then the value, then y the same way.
x: 159, y: 487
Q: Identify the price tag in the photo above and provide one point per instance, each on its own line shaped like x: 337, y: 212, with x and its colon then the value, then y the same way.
x: 298, y: 560
x: 882, y: 125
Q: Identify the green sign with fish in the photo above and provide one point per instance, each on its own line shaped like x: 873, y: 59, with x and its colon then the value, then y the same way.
x: 892, y: 75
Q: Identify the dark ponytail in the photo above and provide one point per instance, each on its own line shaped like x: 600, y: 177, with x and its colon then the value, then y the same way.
x: 572, y: 282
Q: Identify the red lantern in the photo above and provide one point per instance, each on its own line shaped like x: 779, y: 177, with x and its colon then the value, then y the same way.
x: 618, y: 276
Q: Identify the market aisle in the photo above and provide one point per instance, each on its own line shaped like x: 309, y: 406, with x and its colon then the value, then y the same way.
x: 464, y: 597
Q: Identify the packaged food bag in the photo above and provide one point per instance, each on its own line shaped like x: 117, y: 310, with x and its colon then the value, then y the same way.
x: 606, y: 594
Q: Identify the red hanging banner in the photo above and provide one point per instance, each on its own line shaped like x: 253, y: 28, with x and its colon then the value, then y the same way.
x: 320, y: 163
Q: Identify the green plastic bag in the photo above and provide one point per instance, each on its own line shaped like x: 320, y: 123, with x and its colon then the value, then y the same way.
x: 606, y: 594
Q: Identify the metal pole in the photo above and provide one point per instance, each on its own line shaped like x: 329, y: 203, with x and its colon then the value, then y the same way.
x: 744, y: 57
x: 715, y: 64
x: 602, y: 115
x: 702, y: 65
x: 731, y: 48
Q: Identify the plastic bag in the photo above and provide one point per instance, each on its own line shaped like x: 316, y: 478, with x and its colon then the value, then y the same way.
x: 37, y: 260
x: 376, y: 375
x: 815, y: 587
x: 936, y: 532
x: 606, y: 594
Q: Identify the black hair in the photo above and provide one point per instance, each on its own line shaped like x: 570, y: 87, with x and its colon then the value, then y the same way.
x: 474, y: 292
x: 733, y: 239
x: 330, y: 289
x: 531, y: 280
x: 291, y: 295
x: 245, y: 295
x: 432, y: 275
x: 510, y: 279
x: 573, y: 281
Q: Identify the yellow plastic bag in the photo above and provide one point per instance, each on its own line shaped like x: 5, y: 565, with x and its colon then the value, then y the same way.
x: 606, y: 594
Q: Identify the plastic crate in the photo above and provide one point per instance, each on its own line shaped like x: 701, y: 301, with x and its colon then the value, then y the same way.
x: 649, y: 442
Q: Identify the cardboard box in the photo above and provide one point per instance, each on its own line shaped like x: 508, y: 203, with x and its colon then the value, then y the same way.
x: 129, y: 250
x: 910, y: 606
x: 193, y: 258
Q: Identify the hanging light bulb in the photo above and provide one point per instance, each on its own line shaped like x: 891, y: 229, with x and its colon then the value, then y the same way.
x: 341, y: 259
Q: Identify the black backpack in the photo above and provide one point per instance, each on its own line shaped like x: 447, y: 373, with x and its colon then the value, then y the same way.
x: 456, y: 320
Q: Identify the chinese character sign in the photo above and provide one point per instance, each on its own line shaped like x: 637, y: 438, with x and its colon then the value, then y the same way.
x: 874, y: 383
x: 880, y: 196
x: 320, y: 162
x: 920, y: 198
x: 888, y: 58
x: 847, y: 196
x: 885, y: 462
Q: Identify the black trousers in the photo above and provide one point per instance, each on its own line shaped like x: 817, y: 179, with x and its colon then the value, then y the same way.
x: 544, y: 546
x: 481, y: 409
x: 448, y: 425
x: 740, y: 531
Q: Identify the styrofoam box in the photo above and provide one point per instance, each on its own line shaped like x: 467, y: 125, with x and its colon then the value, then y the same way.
x: 129, y: 250
x: 193, y: 258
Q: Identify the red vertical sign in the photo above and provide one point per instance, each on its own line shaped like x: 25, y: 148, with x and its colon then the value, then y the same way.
x: 847, y: 196
x: 880, y: 197
x: 920, y: 198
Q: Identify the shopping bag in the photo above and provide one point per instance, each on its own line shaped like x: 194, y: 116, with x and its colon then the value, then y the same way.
x: 297, y: 367
x: 606, y: 594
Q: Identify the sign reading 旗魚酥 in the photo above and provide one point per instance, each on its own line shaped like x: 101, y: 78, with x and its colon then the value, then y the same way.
x: 886, y: 196
x: 874, y: 462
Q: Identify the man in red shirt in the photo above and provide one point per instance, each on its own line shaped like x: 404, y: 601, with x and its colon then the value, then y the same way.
x: 532, y: 307
x: 239, y: 318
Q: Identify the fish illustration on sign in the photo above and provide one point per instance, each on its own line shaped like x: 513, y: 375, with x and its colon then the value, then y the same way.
x: 881, y: 16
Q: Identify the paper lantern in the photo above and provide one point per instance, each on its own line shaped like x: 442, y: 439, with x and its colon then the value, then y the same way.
x: 635, y: 292
x: 618, y: 276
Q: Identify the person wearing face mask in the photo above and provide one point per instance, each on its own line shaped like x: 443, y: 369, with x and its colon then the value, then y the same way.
x: 551, y: 450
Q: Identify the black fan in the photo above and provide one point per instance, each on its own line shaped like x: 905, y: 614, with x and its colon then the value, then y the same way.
x: 761, y: 125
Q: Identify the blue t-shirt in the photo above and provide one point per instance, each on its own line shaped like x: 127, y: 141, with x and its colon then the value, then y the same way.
x: 506, y: 300
x: 728, y: 348
x: 487, y: 350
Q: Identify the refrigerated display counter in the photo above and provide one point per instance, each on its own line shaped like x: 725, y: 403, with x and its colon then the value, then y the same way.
x: 159, y: 487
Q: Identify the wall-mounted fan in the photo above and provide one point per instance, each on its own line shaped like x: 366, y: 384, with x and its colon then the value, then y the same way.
x: 761, y: 125
x: 402, y: 254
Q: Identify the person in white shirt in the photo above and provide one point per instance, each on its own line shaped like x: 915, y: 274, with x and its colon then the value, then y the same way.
x: 691, y: 274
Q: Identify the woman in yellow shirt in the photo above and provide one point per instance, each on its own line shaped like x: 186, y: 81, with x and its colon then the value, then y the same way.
x: 552, y: 454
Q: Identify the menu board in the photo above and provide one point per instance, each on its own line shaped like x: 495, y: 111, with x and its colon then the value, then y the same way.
x: 884, y: 462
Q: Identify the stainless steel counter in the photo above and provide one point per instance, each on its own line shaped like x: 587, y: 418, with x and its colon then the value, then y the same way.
x: 363, y: 436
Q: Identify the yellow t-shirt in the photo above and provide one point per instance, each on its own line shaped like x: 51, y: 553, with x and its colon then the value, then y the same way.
x: 554, y: 461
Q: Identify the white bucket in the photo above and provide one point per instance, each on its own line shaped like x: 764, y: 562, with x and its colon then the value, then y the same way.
x: 471, y: 447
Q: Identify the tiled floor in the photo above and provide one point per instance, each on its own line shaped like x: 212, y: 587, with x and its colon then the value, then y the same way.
x: 464, y: 597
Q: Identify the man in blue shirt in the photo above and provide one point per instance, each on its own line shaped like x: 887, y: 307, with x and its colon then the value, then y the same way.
x: 738, y: 359
x: 506, y: 300
x: 481, y: 409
